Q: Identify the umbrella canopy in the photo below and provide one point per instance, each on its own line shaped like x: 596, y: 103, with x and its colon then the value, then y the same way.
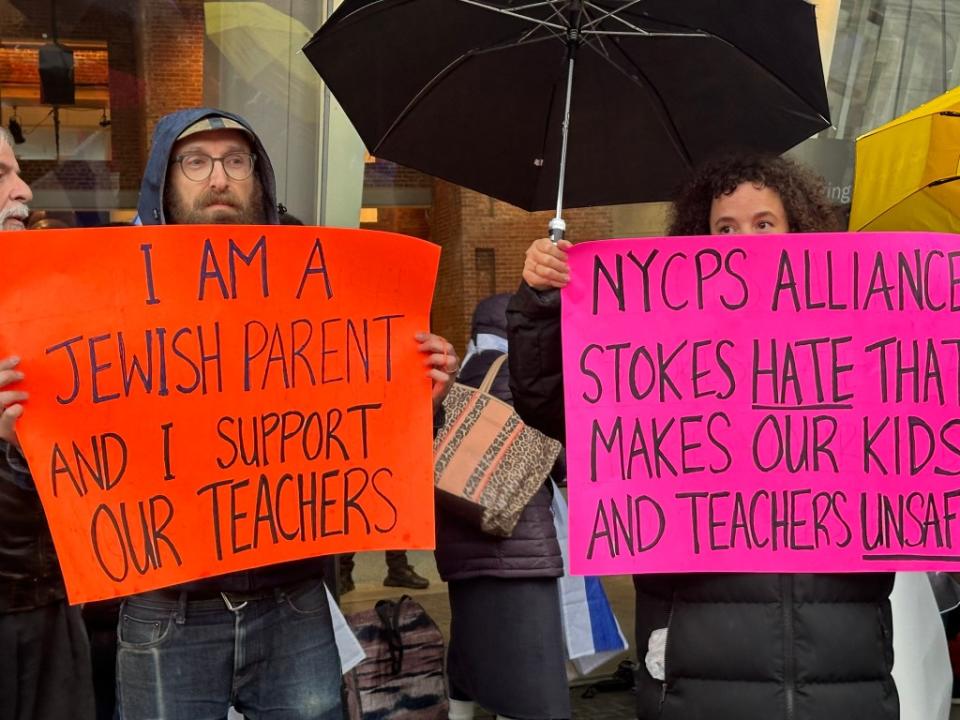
x: 474, y: 91
x: 907, y: 171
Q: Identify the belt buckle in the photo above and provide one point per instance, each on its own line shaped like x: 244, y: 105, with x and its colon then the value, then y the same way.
x: 230, y: 606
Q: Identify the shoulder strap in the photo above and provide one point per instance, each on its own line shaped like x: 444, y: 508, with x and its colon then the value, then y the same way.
x: 389, y: 613
x: 492, y: 373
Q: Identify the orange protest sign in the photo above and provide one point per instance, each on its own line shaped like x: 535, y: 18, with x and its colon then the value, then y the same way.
x: 205, y: 399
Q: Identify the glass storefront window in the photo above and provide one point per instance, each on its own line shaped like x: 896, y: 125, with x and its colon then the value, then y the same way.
x: 889, y: 56
x: 77, y: 134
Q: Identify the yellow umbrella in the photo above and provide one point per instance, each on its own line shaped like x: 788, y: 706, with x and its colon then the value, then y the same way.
x: 908, y: 171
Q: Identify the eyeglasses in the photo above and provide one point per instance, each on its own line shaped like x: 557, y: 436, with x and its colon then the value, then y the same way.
x: 199, y: 166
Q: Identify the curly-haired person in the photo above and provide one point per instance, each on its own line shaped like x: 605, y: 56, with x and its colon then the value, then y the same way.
x: 727, y: 646
x: 799, y: 191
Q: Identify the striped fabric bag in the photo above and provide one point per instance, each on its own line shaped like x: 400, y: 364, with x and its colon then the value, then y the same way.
x: 401, y: 677
x: 487, y: 462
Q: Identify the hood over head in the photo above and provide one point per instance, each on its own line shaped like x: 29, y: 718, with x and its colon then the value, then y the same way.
x: 168, y: 130
x: 490, y: 316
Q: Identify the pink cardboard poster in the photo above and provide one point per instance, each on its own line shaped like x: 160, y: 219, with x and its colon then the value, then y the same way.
x: 764, y: 404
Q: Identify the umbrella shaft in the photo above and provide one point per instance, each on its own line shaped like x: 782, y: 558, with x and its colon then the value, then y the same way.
x: 565, y: 133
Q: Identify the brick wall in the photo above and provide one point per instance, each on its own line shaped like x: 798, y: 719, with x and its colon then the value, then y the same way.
x: 23, y: 65
x: 405, y: 220
x: 171, y: 56
x: 445, y: 222
x: 463, y: 222
x: 384, y: 173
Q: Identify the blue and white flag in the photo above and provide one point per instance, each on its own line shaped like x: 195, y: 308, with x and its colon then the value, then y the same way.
x: 591, y: 630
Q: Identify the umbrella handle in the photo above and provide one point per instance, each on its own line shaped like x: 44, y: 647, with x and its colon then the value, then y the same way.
x: 557, y: 228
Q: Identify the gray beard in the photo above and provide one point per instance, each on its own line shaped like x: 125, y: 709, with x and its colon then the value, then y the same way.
x: 17, y: 210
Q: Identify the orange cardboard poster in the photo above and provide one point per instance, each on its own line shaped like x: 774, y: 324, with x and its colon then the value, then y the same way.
x: 205, y: 399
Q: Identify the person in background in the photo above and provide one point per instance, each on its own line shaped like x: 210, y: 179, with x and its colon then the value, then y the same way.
x: 45, y: 671
x: 506, y: 651
x: 400, y: 573
x: 727, y: 646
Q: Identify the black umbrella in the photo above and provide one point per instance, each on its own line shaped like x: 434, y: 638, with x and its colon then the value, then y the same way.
x: 483, y: 92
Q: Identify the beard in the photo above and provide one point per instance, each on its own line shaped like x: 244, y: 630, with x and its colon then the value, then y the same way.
x: 181, y: 212
x: 14, y: 216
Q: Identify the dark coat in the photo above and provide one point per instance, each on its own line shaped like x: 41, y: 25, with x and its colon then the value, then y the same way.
x: 29, y: 572
x: 150, y: 210
x: 489, y: 318
x: 740, y: 646
x: 465, y: 551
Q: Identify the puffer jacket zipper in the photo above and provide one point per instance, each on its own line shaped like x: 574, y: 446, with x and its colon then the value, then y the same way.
x: 789, y: 657
x: 666, y: 650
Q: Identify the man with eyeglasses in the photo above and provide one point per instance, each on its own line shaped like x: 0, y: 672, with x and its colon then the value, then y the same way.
x: 260, y: 640
x: 208, y: 170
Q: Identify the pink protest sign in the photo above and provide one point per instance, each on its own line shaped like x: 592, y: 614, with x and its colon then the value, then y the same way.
x: 757, y: 404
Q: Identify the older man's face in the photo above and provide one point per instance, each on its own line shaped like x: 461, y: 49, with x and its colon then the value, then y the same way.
x: 14, y: 192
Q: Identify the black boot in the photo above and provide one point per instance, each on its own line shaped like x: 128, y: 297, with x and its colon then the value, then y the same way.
x: 405, y: 577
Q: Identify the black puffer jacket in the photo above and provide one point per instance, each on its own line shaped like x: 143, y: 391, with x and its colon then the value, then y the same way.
x: 743, y: 646
x: 29, y: 572
x: 463, y: 550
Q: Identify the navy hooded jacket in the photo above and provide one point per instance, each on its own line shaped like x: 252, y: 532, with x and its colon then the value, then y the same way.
x: 150, y: 205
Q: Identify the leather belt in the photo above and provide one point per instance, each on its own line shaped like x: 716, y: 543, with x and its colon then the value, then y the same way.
x: 231, y: 597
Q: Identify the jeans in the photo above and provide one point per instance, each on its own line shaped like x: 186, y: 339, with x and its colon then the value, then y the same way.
x: 272, y: 658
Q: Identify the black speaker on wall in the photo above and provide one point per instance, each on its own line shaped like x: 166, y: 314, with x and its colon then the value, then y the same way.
x: 56, y: 75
